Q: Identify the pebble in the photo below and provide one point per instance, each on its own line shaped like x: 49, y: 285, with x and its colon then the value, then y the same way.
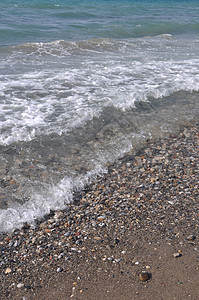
x: 191, y: 237
x: 110, y: 259
x: 144, y: 276
x: 177, y: 254
x: 118, y: 260
x: 8, y: 270
x: 97, y: 238
x: 74, y: 249
x: 110, y: 247
x: 148, y: 267
x: 27, y: 286
x: 59, y: 269
x: 20, y: 285
x: 102, y: 218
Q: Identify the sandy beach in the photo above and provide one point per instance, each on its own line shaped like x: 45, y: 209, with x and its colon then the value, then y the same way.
x: 133, y: 234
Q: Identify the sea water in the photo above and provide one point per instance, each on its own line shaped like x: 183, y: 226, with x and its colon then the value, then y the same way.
x: 81, y: 84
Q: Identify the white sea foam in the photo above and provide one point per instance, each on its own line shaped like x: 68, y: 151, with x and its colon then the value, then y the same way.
x: 52, y: 198
x: 58, y: 99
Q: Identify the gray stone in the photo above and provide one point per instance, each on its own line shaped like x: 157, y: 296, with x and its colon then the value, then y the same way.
x: 59, y: 269
x: 20, y: 285
x: 191, y: 237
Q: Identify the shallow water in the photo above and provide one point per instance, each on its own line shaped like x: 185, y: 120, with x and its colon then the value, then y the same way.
x: 78, y: 90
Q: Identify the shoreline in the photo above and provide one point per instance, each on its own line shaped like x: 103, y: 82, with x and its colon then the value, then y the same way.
x: 135, y: 218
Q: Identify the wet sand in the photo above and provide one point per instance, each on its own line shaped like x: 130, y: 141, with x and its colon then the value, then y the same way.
x: 141, y: 216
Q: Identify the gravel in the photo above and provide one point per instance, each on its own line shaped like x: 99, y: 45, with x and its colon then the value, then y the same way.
x: 150, y: 197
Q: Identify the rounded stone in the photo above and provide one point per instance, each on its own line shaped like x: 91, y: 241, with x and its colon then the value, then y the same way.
x: 20, y: 285
x: 177, y: 254
x: 59, y: 270
x: 8, y: 270
x: 144, y: 276
x: 191, y: 237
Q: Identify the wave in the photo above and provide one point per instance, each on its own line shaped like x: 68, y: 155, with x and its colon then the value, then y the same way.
x: 41, y: 204
x: 48, y: 170
x: 63, y: 47
x: 48, y: 88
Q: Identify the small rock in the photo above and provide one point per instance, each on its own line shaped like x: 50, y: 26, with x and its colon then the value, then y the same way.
x: 59, y: 269
x: 26, y: 227
x: 20, y: 285
x: 73, y: 249
x: 110, y: 259
x: 118, y: 260
x: 191, y: 237
x: 67, y: 234
x: 110, y: 247
x: 177, y: 254
x: 10, y: 244
x: 97, y: 238
x: 144, y: 276
x: 28, y: 287
x: 117, y: 240
x: 102, y: 217
x: 93, y: 223
x: 8, y: 270
x: 60, y: 256
x: 16, y: 243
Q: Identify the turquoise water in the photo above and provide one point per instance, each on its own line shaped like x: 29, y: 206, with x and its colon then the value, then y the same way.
x: 81, y: 84
x: 44, y: 21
